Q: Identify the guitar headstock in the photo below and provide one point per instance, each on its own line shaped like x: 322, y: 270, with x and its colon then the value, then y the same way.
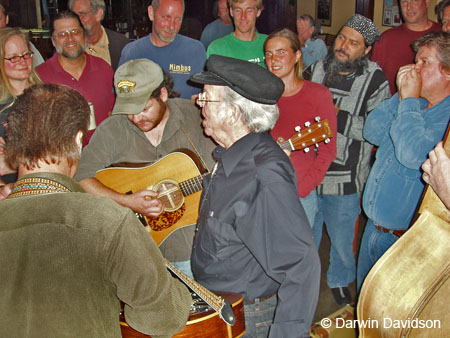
x: 311, y: 135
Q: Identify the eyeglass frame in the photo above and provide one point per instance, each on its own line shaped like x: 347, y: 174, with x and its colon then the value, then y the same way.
x: 201, y: 99
x: 65, y: 34
x: 20, y: 57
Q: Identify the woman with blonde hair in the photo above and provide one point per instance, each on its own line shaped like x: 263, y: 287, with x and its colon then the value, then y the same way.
x: 16, y: 74
x: 302, y: 101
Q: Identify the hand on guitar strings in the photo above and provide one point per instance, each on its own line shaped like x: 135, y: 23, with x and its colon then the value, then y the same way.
x: 288, y: 152
x: 145, y: 202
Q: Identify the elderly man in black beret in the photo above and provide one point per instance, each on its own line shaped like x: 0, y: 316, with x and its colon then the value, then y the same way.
x: 253, y: 236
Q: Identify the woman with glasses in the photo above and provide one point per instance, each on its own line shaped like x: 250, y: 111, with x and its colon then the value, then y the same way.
x: 16, y: 74
x: 302, y: 101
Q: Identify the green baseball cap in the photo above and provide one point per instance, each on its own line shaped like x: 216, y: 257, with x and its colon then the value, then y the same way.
x: 135, y: 81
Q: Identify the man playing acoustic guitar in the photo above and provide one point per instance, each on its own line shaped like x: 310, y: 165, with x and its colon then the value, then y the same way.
x: 146, y: 125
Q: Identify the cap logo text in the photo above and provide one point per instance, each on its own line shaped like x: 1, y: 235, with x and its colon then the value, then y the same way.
x: 126, y: 86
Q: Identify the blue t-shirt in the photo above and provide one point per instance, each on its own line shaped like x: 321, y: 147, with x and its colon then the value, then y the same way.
x: 214, y: 31
x: 181, y: 58
x: 313, y: 51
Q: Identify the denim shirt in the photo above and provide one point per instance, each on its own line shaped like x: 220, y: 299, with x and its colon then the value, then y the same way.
x: 405, y: 132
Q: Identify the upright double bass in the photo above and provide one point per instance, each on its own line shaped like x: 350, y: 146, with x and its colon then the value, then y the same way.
x: 406, y: 293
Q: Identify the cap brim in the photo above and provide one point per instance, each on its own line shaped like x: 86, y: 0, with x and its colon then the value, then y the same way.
x: 130, y: 105
x: 209, y: 78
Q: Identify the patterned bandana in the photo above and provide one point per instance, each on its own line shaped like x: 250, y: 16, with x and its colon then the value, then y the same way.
x: 365, y: 27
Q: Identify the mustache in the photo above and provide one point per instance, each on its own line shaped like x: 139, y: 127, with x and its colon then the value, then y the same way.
x: 342, y: 51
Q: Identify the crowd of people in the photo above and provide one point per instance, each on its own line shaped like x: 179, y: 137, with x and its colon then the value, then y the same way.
x: 234, y: 99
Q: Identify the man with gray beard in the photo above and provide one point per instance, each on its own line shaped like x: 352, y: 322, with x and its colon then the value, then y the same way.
x: 358, y: 86
x: 72, y: 66
x: 102, y: 42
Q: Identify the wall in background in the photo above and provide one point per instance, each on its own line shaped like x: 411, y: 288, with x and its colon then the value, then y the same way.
x: 344, y: 9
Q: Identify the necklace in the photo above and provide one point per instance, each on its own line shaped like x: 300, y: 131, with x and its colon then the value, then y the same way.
x: 35, y: 186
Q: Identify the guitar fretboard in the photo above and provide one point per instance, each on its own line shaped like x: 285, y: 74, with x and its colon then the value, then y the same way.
x: 216, y: 302
x: 191, y: 185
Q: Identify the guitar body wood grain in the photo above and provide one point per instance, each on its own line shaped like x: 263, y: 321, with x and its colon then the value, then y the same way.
x: 206, y: 324
x: 175, y: 167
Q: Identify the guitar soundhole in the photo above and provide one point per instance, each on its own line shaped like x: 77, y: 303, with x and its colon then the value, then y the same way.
x: 170, y: 195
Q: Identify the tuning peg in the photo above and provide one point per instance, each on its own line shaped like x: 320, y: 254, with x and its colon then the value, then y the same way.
x: 306, y: 150
x: 297, y: 128
x: 317, y: 118
x: 327, y: 140
x: 307, y: 124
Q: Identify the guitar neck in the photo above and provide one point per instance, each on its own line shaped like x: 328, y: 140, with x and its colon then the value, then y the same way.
x: 286, y: 145
x: 217, y: 303
x: 191, y: 185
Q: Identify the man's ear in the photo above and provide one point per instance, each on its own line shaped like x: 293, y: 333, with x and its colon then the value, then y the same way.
x: 258, y: 13
x: 7, y: 19
x: 231, y: 12
x: 234, y: 116
x: 98, y: 16
x: 298, y: 55
x: 164, y: 95
x: 79, y: 139
x: 368, y: 49
x: 151, y: 13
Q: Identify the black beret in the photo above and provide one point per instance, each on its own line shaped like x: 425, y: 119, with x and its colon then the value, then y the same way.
x: 248, y: 79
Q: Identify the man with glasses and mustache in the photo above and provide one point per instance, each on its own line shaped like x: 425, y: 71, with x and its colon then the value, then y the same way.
x: 178, y: 55
x: 358, y: 86
x: 102, y: 42
x: 72, y: 66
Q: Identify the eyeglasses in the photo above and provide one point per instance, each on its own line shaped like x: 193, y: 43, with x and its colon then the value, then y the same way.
x: 201, y: 99
x: 74, y: 32
x: 17, y: 58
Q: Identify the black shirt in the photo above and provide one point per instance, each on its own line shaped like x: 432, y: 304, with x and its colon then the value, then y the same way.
x: 253, y: 235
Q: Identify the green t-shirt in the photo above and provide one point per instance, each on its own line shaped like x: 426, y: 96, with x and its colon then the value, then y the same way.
x: 229, y: 45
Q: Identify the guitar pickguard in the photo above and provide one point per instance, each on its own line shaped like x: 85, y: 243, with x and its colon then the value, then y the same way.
x: 166, y: 219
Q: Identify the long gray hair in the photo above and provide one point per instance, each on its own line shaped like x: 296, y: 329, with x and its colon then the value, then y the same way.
x: 257, y: 117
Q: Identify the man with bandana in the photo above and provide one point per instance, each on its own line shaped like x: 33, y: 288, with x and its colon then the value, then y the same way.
x: 358, y: 86
x: 73, y: 67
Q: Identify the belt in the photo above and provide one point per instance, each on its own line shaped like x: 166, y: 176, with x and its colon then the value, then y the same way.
x: 397, y: 233
x: 258, y: 300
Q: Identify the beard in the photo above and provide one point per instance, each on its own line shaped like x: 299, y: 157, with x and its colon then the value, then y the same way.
x: 88, y: 30
x: 73, y: 55
x: 337, y: 70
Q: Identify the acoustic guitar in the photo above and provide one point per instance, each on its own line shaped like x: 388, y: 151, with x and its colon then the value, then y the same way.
x: 406, y: 293
x: 178, y: 177
x: 219, y: 314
